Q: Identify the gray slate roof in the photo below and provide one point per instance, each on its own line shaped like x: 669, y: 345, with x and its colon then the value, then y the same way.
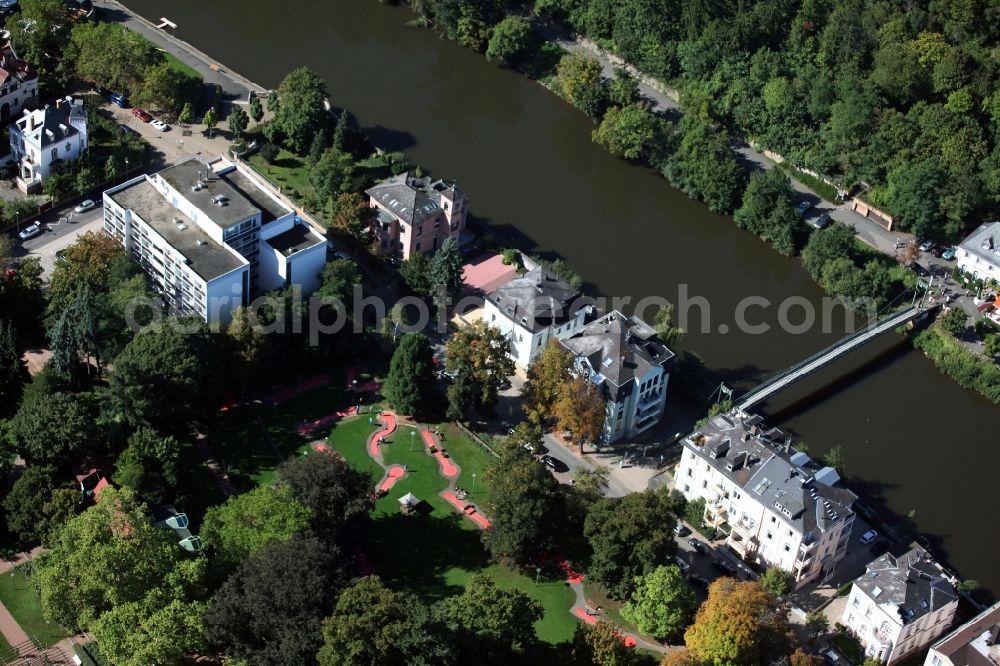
x: 56, y: 126
x: 413, y: 199
x: 984, y: 242
x: 619, y: 348
x: 536, y: 300
x: 761, y: 461
x: 913, y: 583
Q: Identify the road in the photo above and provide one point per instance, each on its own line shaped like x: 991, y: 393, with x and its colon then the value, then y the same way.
x: 59, y: 230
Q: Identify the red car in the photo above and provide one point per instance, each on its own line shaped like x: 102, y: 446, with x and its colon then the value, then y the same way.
x: 141, y: 115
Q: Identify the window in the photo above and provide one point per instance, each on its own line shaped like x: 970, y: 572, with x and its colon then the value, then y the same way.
x: 687, y: 488
x: 690, y: 472
x: 55, y: 153
x: 868, y: 611
x: 769, y: 535
x: 68, y: 146
x: 787, y: 548
x: 773, y: 519
x: 856, y: 602
x: 704, y: 484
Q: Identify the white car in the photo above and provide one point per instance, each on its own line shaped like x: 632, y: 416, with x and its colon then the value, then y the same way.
x: 84, y: 206
x: 830, y: 656
x: 869, y: 536
x: 30, y: 231
x: 160, y: 125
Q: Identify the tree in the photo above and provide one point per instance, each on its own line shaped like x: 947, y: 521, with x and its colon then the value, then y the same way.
x: 738, y: 624
x: 663, y: 322
x: 915, y: 193
x: 509, y: 39
x: 415, y: 273
x: 579, y: 79
x: 54, y: 429
x: 302, y: 111
x: 86, y: 178
x: 338, y: 280
x: 210, y: 119
x: 139, y: 633
x: 524, y: 503
x: 269, y: 152
x: 59, y: 185
x: 37, y: 504
x: 835, y: 458
x: 768, y: 210
x: 270, y: 610
x: 600, y: 645
x: 836, y: 241
x: 991, y: 347
x: 817, y: 623
x: 164, y: 87
x: 352, y: 216
x: 777, y: 581
x: 76, y: 335
x: 340, y: 130
x: 461, y: 396
x: 629, y: 537
x: 13, y: 369
x: 411, y: 375
x: 662, y: 604
x: 801, y: 658
x: 446, y: 271
x: 497, y: 620
x: 163, y: 377
x: 704, y: 166
x: 337, y: 496
x: 149, y: 466
x: 41, y: 27
x: 331, y: 174
x: 626, y: 131
x: 953, y: 321
x: 115, y: 166
x: 372, y: 624
x: 581, y: 410
x: 247, y: 524
x: 256, y: 110
x: 548, y: 377
x: 623, y: 89
x: 694, y: 512
x: 238, y: 121
x: 185, y: 117
x: 86, y: 262
x: 480, y: 355
x: 110, y: 554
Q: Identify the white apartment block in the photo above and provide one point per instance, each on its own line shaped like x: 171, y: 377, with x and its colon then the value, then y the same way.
x: 531, y: 310
x: 18, y: 83
x: 975, y: 643
x: 211, y: 237
x: 780, y: 507
x: 979, y: 253
x: 900, y: 605
x: 623, y: 357
x: 46, y: 138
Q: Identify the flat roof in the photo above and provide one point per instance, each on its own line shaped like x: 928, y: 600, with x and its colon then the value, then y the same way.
x: 185, y: 175
x: 205, y: 256
x: 296, y: 239
x: 269, y: 206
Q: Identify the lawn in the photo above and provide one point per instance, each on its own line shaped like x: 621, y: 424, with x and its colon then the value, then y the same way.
x: 289, y: 172
x: 19, y: 597
x: 181, y: 67
x: 443, y: 548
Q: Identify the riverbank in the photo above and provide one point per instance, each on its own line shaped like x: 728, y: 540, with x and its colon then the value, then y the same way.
x: 967, y: 368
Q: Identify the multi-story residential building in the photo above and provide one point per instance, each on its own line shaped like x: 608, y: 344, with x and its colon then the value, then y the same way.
x: 782, y: 509
x: 18, y: 83
x: 210, y: 237
x: 623, y: 357
x: 416, y: 215
x: 45, y: 138
x: 900, y: 605
x: 975, y: 643
x: 531, y: 310
x: 979, y: 253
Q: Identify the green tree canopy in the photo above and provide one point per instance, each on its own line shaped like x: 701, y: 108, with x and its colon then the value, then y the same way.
x: 662, y: 604
x: 338, y: 496
x: 39, y: 503
x: 302, y: 111
x: 480, y: 357
x: 627, y: 131
x: 409, y: 384
x: 54, y: 429
x: 446, y: 270
x: 509, y: 39
x: 416, y: 274
x: 767, y: 209
x: 13, y: 370
x: 496, y: 621
x: 777, y: 581
x: 548, y: 377
x: 238, y: 121
x: 149, y: 466
x: 705, y: 167
x: 579, y: 79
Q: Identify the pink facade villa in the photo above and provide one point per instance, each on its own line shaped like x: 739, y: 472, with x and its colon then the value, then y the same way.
x: 416, y: 215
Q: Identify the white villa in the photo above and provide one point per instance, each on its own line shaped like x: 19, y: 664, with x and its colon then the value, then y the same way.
x: 18, y: 83
x: 900, y: 605
x: 979, y: 254
x: 43, y: 139
x: 211, y: 237
x: 531, y: 310
x: 623, y: 357
x: 782, y: 508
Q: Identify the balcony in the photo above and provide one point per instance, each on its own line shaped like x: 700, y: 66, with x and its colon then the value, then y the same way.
x: 652, y: 400
x: 744, y: 547
x: 746, y: 528
x: 716, y: 513
x: 807, y: 548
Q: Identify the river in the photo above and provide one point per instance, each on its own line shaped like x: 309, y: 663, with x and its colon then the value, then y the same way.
x: 912, y: 438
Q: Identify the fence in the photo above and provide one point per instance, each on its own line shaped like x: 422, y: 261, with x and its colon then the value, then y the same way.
x: 476, y: 438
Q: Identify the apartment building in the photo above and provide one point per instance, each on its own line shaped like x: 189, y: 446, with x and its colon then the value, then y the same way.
x: 415, y: 215
x: 43, y: 139
x: 630, y: 366
x: 900, y: 605
x: 211, y: 237
x: 975, y: 643
x: 979, y: 253
x: 531, y: 310
x: 779, y: 506
x: 18, y: 83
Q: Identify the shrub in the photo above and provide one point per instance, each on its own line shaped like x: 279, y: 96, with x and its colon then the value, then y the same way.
x: 269, y: 152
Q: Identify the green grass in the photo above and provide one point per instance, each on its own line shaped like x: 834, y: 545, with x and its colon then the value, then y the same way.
x: 181, y: 67
x: 289, y: 172
x: 848, y: 646
x: 19, y: 597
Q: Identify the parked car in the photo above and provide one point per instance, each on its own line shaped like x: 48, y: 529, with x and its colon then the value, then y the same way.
x: 30, y: 231
x: 803, y: 207
x: 118, y: 99
x: 682, y: 564
x: 699, y: 546
x: 142, y: 115
x: 84, y: 206
x: 919, y: 270
x: 680, y: 529
x: 927, y: 246
x: 160, y: 125
x: 555, y: 464
x: 868, y: 537
x: 126, y: 129
x: 61, y: 256
x: 949, y: 254
x: 822, y: 222
x: 724, y: 567
x: 536, y: 448
x: 830, y: 656
x: 698, y: 581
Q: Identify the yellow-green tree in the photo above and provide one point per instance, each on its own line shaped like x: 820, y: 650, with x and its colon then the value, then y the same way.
x: 581, y: 410
x: 547, y: 377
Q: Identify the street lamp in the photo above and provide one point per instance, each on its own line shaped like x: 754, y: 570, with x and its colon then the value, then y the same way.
x: 473, y: 482
x: 412, y: 440
x: 538, y: 573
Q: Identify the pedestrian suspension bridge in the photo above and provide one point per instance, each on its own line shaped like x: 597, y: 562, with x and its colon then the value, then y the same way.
x: 823, y: 358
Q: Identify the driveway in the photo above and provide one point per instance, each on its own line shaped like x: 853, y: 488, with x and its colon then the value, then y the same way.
x: 59, y: 230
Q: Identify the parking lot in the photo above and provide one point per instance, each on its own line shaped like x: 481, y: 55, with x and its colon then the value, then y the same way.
x: 59, y: 230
